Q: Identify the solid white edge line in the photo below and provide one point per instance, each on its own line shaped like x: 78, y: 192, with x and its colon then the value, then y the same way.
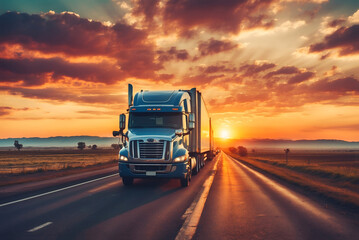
x: 194, y: 212
x: 291, y: 195
x: 58, y: 190
x: 39, y: 227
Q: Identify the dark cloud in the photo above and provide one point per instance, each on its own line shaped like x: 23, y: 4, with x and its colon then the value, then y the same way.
x: 345, y: 39
x: 213, y: 46
x: 147, y: 8
x: 339, y: 86
x: 337, y: 22
x: 301, y: 77
x: 71, y: 35
x: 217, y: 68
x: 5, y: 111
x: 63, y: 95
x: 67, y: 33
x: 172, y: 54
x: 38, y: 71
x: 8, y: 110
x: 253, y: 69
x: 223, y: 16
x: 287, y: 70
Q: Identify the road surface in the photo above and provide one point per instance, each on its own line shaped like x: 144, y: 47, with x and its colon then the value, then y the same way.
x: 226, y: 200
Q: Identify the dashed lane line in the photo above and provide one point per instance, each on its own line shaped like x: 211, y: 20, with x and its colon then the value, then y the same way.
x: 39, y: 227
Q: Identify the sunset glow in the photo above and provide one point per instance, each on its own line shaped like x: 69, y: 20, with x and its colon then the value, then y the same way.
x: 224, y: 134
x: 269, y: 69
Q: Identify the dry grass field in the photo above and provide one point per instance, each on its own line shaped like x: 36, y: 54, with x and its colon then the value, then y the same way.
x: 40, y: 160
x: 332, y: 163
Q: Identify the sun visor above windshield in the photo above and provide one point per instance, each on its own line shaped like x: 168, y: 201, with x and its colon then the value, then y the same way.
x: 156, y: 109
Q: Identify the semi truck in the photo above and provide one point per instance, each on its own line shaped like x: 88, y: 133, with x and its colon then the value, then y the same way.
x: 168, y: 135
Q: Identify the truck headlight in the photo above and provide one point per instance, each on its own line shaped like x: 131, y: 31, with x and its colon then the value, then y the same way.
x: 123, y: 158
x: 180, y: 159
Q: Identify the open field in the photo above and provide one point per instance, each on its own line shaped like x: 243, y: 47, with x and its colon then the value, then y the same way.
x: 40, y: 160
x: 332, y: 163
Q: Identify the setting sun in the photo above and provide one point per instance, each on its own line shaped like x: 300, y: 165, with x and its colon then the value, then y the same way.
x: 224, y: 134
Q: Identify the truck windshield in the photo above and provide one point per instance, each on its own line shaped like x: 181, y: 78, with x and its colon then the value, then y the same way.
x: 155, y: 120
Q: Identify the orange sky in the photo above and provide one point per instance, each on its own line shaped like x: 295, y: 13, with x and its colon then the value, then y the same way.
x: 276, y: 69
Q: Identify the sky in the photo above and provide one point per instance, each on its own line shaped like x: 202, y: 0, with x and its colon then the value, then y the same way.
x: 279, y: 69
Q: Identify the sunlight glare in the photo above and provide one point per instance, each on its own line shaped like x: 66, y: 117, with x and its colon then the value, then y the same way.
x: 224, y: 134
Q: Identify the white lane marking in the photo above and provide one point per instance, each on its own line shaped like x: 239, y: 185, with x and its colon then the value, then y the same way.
x: 58, y: 190
x: 194, y: 212
x: 39, y: 227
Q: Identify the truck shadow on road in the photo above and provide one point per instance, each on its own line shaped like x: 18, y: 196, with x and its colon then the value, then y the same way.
x: 118, y: 209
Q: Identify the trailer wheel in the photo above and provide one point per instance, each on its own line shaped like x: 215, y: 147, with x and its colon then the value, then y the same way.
x: 127, y: 181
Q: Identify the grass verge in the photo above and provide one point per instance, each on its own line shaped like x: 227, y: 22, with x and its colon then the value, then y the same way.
x: 10, y: 179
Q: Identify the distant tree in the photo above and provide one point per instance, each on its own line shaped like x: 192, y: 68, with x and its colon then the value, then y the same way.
x: 94, y: 147
x: 115, y: 146
x: 81, y: 145
x: 253, y: 150
x: 233, y: 150
x: 17, y: 145
x: 242, y: 151
x: 89, y: 146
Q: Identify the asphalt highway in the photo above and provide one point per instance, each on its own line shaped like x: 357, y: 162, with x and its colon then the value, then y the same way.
x: 226, y: 200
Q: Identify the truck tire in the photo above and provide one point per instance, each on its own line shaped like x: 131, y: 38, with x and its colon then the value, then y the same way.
x: 198, y: 166
x: 185, y: 181
x: 127, y: 181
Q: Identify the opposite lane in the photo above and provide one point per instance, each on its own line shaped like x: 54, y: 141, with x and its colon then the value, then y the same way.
x: 245, y: 204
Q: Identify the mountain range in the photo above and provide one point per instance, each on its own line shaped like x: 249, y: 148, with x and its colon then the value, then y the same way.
x: 59, y: 141
x: 71, y: 141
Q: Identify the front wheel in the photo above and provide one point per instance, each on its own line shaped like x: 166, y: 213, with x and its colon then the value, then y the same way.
x: 127, y: 181
x: 185, y: 181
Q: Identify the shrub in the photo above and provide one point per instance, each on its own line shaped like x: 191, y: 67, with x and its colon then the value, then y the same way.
x: 242, y: 151
x: 81, y: 145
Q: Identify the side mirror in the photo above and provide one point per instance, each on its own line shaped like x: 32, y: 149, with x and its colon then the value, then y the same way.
x: 122, y: 122
x: 191, y: 123
x: 115, y: 133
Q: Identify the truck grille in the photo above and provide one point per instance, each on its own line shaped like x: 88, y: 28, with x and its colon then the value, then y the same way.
x: 150, y: 168
x: 150, y: 150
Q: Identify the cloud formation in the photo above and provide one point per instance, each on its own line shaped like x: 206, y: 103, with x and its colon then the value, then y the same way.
x: 213, y: 46
x: 345, y: 40
x: 172, y: 54
x: 38, y: 71
x: 70, y: 35
x: 219, y: 16
x: 64, y: 95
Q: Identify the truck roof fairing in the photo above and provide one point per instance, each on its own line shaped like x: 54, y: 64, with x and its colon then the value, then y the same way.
x: 166, y: 101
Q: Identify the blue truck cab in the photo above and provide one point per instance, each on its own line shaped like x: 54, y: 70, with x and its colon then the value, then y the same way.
x: 163, y: 137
